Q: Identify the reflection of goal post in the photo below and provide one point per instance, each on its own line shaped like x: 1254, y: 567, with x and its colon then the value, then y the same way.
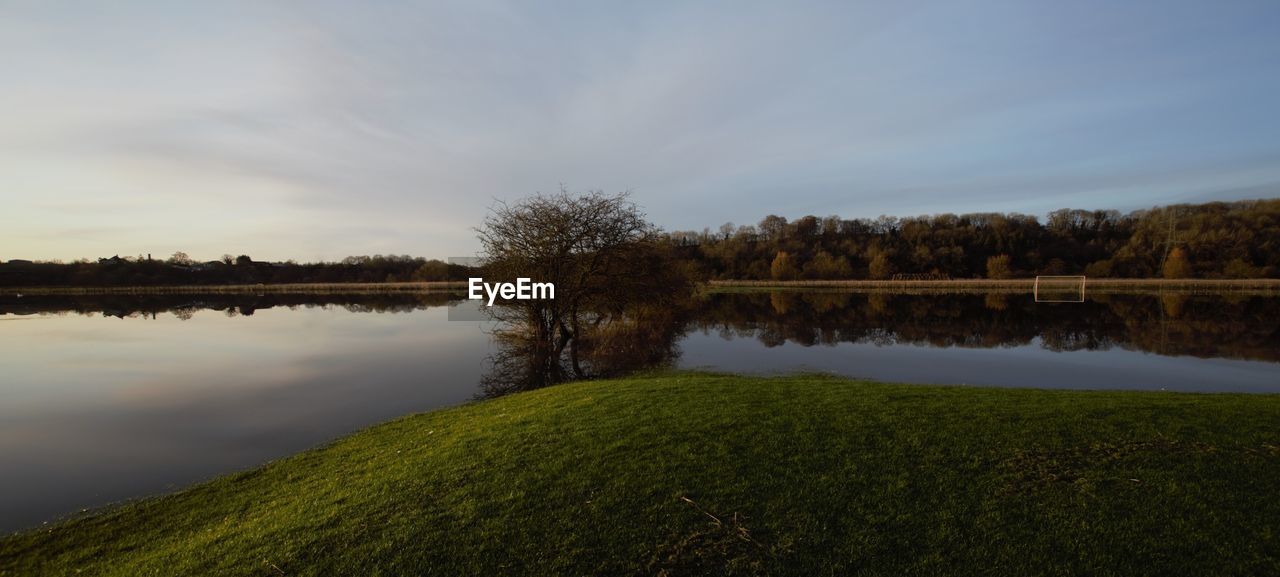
x: 1059, y: 286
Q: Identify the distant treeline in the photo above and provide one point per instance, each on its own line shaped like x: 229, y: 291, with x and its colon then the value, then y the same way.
x: 1214, y: 240
x: 179, y: 269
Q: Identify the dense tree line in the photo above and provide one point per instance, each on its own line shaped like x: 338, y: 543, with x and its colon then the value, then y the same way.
x: 1214, y: 240
x: 179, y: 269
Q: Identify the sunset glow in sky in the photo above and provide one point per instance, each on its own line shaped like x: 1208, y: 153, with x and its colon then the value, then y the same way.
x: 314, y: 131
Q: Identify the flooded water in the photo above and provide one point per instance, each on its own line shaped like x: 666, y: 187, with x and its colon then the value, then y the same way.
x: 112, y: 398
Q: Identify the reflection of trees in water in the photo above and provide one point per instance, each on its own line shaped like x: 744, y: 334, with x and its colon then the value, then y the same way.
x: 1239, y: 327
x: 1173, y: 304
x: 615, y: 342
x: 185, y: 306
x: 606, y: 345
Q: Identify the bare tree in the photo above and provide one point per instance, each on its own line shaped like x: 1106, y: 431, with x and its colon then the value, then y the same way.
x: 574, y: 242
x: 598, y: 250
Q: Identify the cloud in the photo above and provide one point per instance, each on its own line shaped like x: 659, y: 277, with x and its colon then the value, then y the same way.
x: 328, y: 131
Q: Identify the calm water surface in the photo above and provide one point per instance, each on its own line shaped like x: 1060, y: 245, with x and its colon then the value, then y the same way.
x: 111, y: 398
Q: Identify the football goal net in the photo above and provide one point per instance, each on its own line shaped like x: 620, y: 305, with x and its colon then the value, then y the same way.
x: 1059, y: 289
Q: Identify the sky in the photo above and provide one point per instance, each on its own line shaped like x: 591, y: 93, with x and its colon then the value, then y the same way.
x: 313, y: 130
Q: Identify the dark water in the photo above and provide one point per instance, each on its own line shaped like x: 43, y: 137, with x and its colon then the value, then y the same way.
x: 110, y: 398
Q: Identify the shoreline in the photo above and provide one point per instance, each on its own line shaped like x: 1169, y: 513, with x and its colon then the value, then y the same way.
x: 249, y: 289
x: 1261, y: 287
x: 1101, y: 285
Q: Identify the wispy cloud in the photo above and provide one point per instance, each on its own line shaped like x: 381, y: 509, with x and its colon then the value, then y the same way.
x: 321, y: 130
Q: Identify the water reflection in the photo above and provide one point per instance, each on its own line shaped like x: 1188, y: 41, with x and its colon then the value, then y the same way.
x: 1228, y: 327
x: 184, y: 306
x: 101, y: 409
x: 606, y: 346
x: 170, y: 389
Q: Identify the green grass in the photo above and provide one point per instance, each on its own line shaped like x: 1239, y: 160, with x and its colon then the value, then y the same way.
x: 690, y: 474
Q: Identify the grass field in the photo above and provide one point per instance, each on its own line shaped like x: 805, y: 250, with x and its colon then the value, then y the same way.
x: 692, y: 474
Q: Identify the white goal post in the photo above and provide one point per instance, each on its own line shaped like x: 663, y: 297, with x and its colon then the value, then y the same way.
x: 1062, y: 284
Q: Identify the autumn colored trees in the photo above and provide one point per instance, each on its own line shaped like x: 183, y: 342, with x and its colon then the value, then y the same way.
x: 1214, y: 240
x: 998, y: 267
x: 783, y: 268
x: 1176, y: 264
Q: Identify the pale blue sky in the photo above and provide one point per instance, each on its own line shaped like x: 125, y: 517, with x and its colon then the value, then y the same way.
x: 310, y: 130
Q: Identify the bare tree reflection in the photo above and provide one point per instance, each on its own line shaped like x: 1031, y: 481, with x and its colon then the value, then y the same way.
x: 605, y: 345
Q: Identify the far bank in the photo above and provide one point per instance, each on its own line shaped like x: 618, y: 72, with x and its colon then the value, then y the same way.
x: 1261, y: 286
